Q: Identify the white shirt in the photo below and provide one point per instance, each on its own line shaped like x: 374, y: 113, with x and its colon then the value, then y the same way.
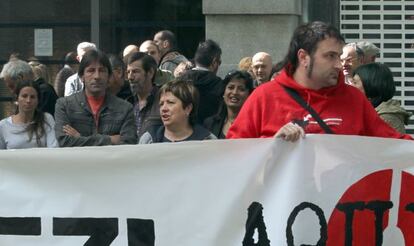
x: 73, y: 84
x: 15, y: 136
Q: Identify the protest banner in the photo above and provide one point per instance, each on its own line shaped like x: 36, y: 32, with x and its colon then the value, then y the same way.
x: 321, y: 190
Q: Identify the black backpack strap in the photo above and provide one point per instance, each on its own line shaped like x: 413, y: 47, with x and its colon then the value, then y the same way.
x: 295, y: 95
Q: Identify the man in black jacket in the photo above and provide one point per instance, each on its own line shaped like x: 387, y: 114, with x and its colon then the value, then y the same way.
x: 141, y: 69
x: 207, y: 60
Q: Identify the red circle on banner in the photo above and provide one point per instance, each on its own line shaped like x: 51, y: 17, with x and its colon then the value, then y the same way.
x: 373, y: 187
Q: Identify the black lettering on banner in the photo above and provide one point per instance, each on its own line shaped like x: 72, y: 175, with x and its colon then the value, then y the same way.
x: 322, y: 222
x: 102, y: 230
x: 410, y: 207
x: 141, y: 232
x: 379, y: 208
x: 348, y: 208
x: 30, y: 226
x: 255, y: 221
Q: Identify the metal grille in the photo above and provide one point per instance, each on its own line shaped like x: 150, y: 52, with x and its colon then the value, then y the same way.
x: 389, y: 24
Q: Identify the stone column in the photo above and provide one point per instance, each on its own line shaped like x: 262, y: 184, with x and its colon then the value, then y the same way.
x: 244, y: 27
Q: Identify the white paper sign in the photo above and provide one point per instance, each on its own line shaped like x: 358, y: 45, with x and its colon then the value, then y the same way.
x: 43, y: 42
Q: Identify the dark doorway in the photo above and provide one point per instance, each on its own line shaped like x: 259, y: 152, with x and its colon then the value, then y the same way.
x: 132, y: 22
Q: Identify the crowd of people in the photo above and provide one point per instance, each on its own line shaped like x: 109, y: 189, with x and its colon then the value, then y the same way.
x: 152, y: 93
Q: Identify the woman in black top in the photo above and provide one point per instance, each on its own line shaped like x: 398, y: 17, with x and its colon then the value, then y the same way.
x: 237, y: 86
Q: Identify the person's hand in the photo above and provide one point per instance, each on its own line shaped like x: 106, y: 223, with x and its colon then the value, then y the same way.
x: 115, y: 139
x: 70, y: 131
x: 290, y: 132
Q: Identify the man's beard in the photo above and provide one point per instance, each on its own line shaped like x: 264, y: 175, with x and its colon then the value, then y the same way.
x: 310, y: 68
x: 137, y: 86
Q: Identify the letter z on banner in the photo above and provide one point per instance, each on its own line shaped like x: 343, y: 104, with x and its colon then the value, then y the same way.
x: 322, y: 190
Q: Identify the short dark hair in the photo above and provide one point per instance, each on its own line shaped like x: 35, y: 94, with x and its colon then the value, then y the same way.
x: 238, y: 74
x: 170, y: 36
x: 70, y: 58
x: 206, y: 52
x: 148, y: 62
x: 94, y: 56
x: 307, y: 37
x: 186, y: 92
x: 378, y: 82
x: 116, y: 62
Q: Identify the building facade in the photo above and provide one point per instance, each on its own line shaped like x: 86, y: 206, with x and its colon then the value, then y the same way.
x: 389, y: 25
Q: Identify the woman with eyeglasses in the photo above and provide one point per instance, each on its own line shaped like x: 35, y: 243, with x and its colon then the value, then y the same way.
x: 28, y: 127
x: 237, y: 86
x: 178, y: 109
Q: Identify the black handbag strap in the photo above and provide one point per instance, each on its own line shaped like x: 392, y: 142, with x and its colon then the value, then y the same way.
x: 295, y: 95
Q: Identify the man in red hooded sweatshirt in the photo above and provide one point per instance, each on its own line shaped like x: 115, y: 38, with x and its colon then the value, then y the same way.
x: 313, y: 69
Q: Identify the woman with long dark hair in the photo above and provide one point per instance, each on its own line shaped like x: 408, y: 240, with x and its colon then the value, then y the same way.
x: 28, y: 127
x: 237, y: 86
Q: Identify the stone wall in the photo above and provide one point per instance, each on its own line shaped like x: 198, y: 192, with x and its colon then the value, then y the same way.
x: 244, y: 27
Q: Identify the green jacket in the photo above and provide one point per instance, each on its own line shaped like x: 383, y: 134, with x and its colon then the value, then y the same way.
x: 162, y: 77
x: 392, y: 113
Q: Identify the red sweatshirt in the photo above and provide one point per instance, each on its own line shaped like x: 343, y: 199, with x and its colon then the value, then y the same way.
x: 343, y: 108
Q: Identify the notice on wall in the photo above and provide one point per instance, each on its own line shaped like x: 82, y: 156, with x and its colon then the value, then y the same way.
x: 43, y: 42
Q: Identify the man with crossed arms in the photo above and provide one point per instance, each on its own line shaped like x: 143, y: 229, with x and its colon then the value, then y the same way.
x: 93, y: 116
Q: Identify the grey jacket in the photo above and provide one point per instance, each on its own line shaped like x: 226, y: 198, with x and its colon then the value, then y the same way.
x: 171, y: 60
x: 116, y: 116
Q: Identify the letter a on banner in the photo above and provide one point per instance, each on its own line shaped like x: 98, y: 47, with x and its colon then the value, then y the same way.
x: 255, y: 222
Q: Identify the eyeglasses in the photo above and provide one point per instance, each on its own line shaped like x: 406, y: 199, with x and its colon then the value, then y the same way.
x: 359, y: 53
x: 349, y: 59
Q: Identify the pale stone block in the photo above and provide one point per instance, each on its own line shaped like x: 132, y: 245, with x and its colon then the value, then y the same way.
x: 245, y: 35
x: 292, y: 7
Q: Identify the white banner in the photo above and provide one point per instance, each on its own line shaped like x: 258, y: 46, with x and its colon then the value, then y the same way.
x: 322, y: 190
